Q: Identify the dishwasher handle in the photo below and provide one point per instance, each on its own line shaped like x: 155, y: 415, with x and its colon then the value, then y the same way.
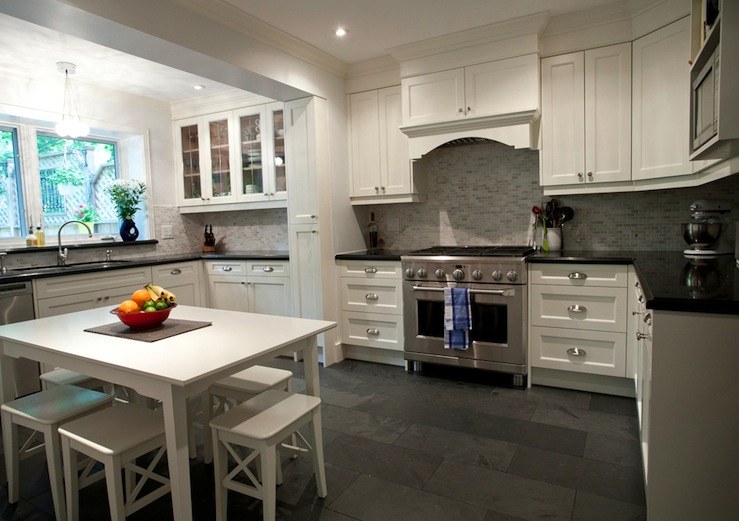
x: 18, y: 288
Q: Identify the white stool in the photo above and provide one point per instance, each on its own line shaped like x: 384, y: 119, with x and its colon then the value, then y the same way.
x: 240, y: 387
x: 261, y: 423
x: 61, y: 376
x: 115, y: 437
x: 43, y: 412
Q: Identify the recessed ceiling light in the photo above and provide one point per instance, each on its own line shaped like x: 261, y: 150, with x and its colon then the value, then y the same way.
x: 198, y: 87
x: 340, y: 32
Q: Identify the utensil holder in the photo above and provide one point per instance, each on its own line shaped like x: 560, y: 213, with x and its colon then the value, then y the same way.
x: 554, y: 239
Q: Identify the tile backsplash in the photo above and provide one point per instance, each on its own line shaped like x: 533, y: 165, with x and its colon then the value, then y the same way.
x: 483, y: 193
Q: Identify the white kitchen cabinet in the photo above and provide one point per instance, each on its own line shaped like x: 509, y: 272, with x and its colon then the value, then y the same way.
x: 578, y: 318
x: 182, y: 279
x: 661, y: 103
x: 252, y: 286
x: 586, y: 117
x: 66, y: 294
x: 381, y: 171
x: 371, y: 296
x: 498, y: 87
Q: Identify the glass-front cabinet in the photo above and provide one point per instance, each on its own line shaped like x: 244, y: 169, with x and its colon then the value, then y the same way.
x: 232, y: 157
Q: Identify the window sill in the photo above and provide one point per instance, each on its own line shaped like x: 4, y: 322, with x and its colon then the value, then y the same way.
x: 68, y: 242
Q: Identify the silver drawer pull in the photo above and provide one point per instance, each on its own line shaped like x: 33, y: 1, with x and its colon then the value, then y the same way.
x: 370, y: 270
x: 576, y: 351
x: 268, y: 269
x: 641, y: 336
x: 371, y: 296
x: 373, y: 331
x: 576, y: 275
x: 577, y: 308
x: 226, y: 268
x: 640, y: 298
x: 648, y: 319
x: 635, y: 312
x: 176, y: 271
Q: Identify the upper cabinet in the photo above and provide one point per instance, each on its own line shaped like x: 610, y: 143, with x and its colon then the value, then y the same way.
x: 498, y: 87
x: 232, y: 160
x: 381, y: 169
x: 586, y: 117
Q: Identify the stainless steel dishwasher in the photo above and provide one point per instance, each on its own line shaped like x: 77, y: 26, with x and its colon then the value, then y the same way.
x: 16, y: 305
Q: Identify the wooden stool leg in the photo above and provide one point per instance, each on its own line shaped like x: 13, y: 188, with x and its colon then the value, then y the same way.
x: 220, y: 469
x: 269, y: 482
x: 71, y: 480
x: 114, y: 484
x: 54, y: 462
x: 316, y: 441
x: 10, y: 443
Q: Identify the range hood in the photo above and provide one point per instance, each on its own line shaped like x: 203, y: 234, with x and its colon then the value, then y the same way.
x: 516, y: 129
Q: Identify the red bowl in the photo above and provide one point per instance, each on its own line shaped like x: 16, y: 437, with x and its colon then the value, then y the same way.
x: 143, y: 319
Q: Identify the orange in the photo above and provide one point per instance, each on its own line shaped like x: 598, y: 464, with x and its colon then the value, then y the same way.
x: 140, y: 296
x: 128, y: 306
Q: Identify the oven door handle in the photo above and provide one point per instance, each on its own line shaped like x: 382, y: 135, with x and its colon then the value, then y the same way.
x: 482, y: 291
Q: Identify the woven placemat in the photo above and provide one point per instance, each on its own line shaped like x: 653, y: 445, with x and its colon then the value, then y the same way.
x: 167, y: 329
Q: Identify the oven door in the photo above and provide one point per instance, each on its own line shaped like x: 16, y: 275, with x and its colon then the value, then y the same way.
x: 498, y: 332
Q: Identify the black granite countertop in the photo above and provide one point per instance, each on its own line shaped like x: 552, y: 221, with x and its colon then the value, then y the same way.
x: 247, y: 255
x: 670, y: 280
x: 377, y: 255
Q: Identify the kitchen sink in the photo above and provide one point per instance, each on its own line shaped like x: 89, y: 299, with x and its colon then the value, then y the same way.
x: 71, y: 266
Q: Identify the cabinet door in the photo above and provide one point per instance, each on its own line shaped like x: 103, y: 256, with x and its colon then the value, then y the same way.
x: 608, y: 114
x: 502, y: 86
x: 302, y: 157
x: 189, y: 158
x: 277, y: 164
x: 365, y: 144
x: 227, y: 292
x: 661, y: 104
x: 395, y: 164
x: 563, y: 120
x: 252, y: 176
x: 431, y: 98
x: 269, y: 295
x: 305, y: 271
x: 218, y: 174
x: 181, y: 279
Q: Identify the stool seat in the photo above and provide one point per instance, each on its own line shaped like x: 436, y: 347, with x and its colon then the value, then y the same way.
x: 56, y: 404
x: 115, y: 430
x: 266, y: 415
x: 255, y: 379
x: 64, y: 377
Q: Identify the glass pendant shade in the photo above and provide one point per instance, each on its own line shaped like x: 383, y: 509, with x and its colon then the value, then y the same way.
x: 71, y: 125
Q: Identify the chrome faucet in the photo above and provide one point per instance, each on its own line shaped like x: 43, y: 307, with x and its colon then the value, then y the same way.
x: 61, y: 258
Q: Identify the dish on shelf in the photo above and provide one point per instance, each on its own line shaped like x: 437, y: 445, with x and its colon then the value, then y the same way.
x: 280, y: 132
x: 251, y: 189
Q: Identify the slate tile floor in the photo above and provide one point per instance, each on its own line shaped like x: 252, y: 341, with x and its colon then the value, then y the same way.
x: 416, y: 447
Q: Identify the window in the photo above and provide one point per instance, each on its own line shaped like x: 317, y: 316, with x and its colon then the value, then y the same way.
x: 44, y: 177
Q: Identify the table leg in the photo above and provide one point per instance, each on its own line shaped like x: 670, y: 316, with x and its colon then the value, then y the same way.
x: 7, y: 393
x: 175, y: 425
x: 310, y: 363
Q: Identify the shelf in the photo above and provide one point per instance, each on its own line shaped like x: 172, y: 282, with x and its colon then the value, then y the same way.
x: 708, y: 47
x: 252, y: 142
x: 191, y: 151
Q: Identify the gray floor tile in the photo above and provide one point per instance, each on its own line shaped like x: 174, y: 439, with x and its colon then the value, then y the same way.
x: 613, y: 404
x: 359, y: 400
x: 589, y: 507
x: 501, y: 492
x: 475, y: 450
x: 359, y: 423
x: 598, y: 477
x: 590, y: 421
x: 373, y: 499
x: 389, y: 462
x: 614, y: 450
x: 299, y: 483
x: 550, y: 395
x: 497, y: 516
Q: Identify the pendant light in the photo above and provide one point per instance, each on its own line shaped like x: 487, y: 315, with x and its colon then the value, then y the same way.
x: 70, y: 126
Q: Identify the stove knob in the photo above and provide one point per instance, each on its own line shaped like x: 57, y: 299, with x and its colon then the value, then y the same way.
x: 497, y: 275
x: 512, y: 276
x: 458, y: 274
x: 423, y: 273
x: 409, y: 273
x: 477, y: 274
x: 440, y: 274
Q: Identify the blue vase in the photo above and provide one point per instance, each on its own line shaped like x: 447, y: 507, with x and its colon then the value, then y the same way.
x: 128, y: 230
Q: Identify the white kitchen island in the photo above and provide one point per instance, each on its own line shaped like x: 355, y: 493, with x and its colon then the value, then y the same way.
x: 169, y: 370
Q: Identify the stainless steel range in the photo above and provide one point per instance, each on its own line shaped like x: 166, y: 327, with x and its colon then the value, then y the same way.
x: 496, y: 278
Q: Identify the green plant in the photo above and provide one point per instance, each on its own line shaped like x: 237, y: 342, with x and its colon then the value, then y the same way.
x: 65, y: 175
x: 126, y: 195
x: 86, y: 213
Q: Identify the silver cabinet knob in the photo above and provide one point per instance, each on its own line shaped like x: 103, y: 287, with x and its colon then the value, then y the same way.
x: 640, y: 298
x: 408, y: 272
x: 458, y: 274
x: 590, y: 175
x: 371, y: 296
x: 243, y: 283
x: 461, y: 110
x: 576, y: 351
x: 635, y: 312
x: 176, y: 271
x: 99, y: 299
x: 641, y: 336
x: 469, y: 109
x: 370, y: 270
x: 440, y: 274
x: 477, y: 274
x: 382, y: 188
x: 106, y: 297
x: 512, y: 276
x: 373, y: 331
x: 579, y: 175
x: 312, y: 216
x: 268, y: 269
x: 423, y: 273
x: 377, y: 189
x: 497, y: 275
x: 576, y: 275
x: 577, y: 308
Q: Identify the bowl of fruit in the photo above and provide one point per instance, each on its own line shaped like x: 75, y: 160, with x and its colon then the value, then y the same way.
x: 147, y: 308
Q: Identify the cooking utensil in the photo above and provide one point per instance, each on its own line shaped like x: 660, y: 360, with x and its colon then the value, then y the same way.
x: 566, y: 214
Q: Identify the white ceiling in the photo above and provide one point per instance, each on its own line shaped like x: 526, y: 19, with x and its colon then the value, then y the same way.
x: 373, y: 26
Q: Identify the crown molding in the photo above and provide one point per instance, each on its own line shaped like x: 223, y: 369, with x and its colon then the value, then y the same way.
x: 373, y: 66
x: 534, y: 23
x: 224, y: 12
x: 216, y: 103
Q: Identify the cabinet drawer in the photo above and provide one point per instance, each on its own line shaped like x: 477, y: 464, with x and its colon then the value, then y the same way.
x: 173, y: 274
x: 593, y: 352
x: 268, y: 268
x: 371, y: 330
x: 601, y: 309
x: 376, y: 296
x: 225, y: 268
x: 90, y: 282
x: 577, y: 275
x: 370, y: 269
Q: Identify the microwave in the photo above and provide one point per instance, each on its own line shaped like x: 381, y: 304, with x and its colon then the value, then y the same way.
x: 704, y: 103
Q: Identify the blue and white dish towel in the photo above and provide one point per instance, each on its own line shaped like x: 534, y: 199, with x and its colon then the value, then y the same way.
x: 457, y: 318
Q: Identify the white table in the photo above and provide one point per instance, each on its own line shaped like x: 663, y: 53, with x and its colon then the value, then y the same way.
x: 169, y: 370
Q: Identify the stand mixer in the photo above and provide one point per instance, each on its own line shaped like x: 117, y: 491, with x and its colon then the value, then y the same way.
x: 703, y: 232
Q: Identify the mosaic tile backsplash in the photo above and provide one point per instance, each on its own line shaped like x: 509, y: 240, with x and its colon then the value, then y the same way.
x: 482, y: 194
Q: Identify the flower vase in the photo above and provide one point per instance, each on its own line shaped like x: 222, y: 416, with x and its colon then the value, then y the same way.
x: 128, y: 230
x: 554, y: 239
x: 83, y: 229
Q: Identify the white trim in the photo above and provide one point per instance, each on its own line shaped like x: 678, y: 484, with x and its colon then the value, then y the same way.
x: 216, y: 103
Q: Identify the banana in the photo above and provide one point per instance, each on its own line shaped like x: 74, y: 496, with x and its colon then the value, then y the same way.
x: 159, y: 293
x: 168, y: 296
x: 152, y: 294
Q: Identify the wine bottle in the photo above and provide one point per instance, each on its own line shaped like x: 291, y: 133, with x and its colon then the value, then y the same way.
x: 372, y: 232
